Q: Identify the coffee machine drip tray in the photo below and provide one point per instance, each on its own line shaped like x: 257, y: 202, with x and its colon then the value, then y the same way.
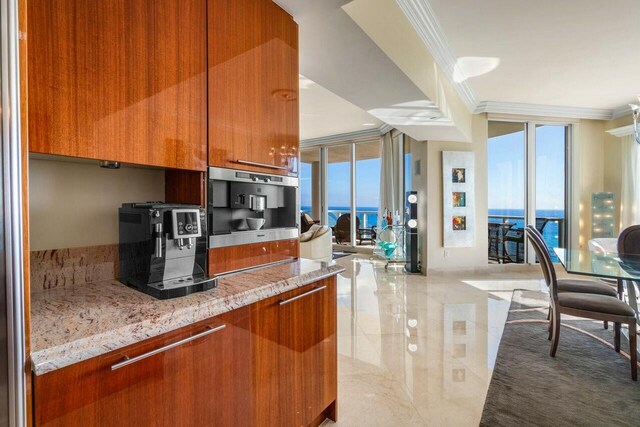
x: 180, y: 287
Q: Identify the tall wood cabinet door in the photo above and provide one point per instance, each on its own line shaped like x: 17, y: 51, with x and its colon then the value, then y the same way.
x: 204, y: 382
x: 299, y: 329
x: 253, y: 86
x: 119, y: 80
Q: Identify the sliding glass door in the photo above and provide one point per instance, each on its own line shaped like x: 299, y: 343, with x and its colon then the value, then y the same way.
x: 527, y: 185
x: 367, y: 187
x: 341, y: 181
x: 507, y: 191
x: 310, y: 185
x: 550, y: 200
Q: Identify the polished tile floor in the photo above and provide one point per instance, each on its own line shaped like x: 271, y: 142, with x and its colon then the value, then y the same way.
x: 416, y: 350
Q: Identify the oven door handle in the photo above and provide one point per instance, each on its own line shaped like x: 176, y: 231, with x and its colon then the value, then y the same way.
x: 264, y: 165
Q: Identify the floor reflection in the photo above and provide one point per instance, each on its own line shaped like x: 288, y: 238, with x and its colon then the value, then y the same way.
x: 416, y: 350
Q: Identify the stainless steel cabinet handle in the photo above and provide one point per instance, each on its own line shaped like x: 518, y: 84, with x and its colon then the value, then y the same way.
x: 264, y: 165
x: 312, y: 291
x: 129, y: 361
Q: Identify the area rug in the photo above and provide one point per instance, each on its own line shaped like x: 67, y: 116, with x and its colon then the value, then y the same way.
x: 586, y: 384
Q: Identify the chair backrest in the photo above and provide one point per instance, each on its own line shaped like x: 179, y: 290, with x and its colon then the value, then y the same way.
x: 629, y: 241
x: 343, y: 228
x: 305, y: 224
x: 540, y: 224
x: 542, y: 251
x: 540, y: 237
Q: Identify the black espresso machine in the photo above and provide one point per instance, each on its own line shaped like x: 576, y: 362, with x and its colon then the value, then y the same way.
x: 163, y: 249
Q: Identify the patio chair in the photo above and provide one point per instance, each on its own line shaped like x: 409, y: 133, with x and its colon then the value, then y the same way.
x: 590, y: 306
x: 342, y: 229
x: 306, y: 222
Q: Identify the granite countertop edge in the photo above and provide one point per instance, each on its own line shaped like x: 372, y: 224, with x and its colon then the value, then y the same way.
x: 50, y: 359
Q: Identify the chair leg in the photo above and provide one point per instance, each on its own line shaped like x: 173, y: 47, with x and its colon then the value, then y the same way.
x: 606, y: 324
x: 620, y: 289
x: 556, y: 332
x: 616, y: 336
x: 633, y: 350
x: 550, y: 325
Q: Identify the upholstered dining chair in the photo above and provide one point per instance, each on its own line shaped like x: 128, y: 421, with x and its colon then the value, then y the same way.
x: 629, y: 241
x: 576, y: 285
x: 590, y: 306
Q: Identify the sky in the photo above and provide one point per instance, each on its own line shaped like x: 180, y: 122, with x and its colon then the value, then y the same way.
x: 367, y: 183
x: 506, y: 174
x: 506, y: 169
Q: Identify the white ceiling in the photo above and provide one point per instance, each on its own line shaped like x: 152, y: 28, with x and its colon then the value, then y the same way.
x: 323, y: 113
x: 339, y: 56
x: 576, y: 53
x: 569, y: 58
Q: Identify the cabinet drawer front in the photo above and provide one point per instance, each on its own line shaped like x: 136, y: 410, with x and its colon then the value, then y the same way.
x: 298, y: 331
x: 170, y: 384
x: 232, y: 258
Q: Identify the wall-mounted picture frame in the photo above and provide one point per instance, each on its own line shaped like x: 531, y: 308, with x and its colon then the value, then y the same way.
x: 459, y: 199
x: 459, y: 223
x: 458, y: 175
x: 458, y: 181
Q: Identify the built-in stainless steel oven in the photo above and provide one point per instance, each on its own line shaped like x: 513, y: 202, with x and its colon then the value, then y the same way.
x: 251, y: 207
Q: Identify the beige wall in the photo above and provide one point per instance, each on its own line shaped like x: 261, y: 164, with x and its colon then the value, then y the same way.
x: 434, y: 255
x: 76, y: 204
x: 597, y: 165
x: 613, y: 162
x: 588, y: 177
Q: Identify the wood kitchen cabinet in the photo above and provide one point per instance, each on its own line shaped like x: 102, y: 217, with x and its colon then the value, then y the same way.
x: 253, y: 86
x: 295, y: 356
x: 231, y: 258
x: 273, y: 363
x: 119, y: 80
x: 204, y: 382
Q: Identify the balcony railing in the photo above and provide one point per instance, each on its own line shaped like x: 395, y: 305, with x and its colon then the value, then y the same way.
x: 506, y: 236
x: 368, y: 218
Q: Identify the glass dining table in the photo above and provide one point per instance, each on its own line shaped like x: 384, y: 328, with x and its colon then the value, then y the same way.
x: 625, y: 269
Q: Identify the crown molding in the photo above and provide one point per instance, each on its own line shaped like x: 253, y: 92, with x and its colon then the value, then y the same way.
x: 622, y: 111
x: 621, y: 131
x: 385, y: 128
x: 543, y: 110
x: 424, y: 21
x: 347, y: 137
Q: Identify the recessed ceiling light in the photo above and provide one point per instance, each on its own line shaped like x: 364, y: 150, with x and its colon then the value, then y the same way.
x: 368, y: 124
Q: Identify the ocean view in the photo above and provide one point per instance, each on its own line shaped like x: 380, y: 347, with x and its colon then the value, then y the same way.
x: 369, y: 217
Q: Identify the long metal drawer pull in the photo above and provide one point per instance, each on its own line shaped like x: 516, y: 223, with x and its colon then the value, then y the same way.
x: 312, y: 291
x: 129, y: 361
x: 264, y: 165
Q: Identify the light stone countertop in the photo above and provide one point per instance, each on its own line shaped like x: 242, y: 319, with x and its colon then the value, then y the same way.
x: 70, y: 325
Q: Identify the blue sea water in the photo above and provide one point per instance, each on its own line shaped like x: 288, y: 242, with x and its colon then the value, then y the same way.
x: 550, y: 231
x: 371, y: 213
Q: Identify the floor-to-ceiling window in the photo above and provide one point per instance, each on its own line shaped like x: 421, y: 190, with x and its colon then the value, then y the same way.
x: 526, y: 185
x: 341, y: 181
x: 367, y: 187
x: 338, y: 182
x: 550, y: 200
x: 310, y: 183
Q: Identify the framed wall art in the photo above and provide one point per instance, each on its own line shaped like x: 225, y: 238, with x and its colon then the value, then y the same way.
x: 458, y: 192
